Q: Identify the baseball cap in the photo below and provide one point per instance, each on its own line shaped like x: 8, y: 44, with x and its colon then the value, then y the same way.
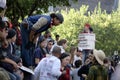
x: 60, y: 17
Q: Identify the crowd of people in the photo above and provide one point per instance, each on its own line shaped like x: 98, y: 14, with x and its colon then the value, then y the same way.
x: 31, y: 44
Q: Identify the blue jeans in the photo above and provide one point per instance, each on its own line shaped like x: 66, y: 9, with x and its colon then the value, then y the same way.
x: 14, y: 76
x: 26, y: 54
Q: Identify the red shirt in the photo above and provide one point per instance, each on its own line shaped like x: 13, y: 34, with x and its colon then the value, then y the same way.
x: 65, y: 76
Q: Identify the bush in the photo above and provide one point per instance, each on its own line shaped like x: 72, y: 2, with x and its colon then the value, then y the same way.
x: 105, y: 26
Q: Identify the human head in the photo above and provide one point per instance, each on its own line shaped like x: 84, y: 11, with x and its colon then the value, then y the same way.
x: 11, y: 35
x: 73, y: 50
x: 79, y: 52
x: 7, y: 22
x: 56, y: 51
x: 78, y: 63
x: 91, y: 56
x: 3, y: 29
x: 87, y: 28
x: 65, y: 59
x: 42, y: 42
x: 57, y: 37
x: 106, y: 62
x: 50, y: 44
x: 47, y: 34
x: 63, y: 43
x: 57, y: 18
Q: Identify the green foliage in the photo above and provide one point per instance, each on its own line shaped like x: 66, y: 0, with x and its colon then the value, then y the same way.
x: 19, y: 9
x: 105, y: 26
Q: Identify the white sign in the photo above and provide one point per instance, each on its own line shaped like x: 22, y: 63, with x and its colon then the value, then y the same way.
x: 86, y: 41
x: 27, y: 69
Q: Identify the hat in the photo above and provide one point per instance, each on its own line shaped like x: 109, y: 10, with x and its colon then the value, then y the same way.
x: 11, y: 33
x: 60, y: 17
x: 64, y: 55
x: 99, y: 56
x: 3, y: 3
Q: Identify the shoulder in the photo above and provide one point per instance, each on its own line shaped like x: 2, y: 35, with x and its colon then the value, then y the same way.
x: 43, y: 60
x: 55, y: 59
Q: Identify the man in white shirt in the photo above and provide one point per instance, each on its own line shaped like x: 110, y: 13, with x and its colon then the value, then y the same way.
x: 49, y: 67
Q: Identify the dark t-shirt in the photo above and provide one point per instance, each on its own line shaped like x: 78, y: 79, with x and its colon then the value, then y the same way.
x: 6, y: 52
x: 2, y: 53
x: 39, y: 53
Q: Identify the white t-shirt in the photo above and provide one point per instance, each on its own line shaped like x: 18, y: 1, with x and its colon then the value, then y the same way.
x: 74, y: 74
x: 48, y: 69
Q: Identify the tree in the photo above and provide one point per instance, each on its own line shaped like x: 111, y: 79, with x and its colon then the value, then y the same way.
x: 105, y: 26
x: 17, y: 9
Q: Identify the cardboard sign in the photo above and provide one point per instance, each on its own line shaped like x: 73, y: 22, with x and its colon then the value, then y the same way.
x: 86, y: 41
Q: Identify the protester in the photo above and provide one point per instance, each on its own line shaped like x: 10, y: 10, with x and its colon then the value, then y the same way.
x: 77, y: 56
x: 88, y: 30
x: 65, y: 59
x: 3, y: 33
x: 83, y: 71
x: 9, y: 49
x: 109, y: 67
x: 50, y: 43
x: 63, y: 44
x: 39, y: 52
x: 31, y: 28
x: 57, y: 37
x: 49, y: 67
x: 97, y: 71
x: 74, y: 71
x: 72, y: 51
x: 47, y: 35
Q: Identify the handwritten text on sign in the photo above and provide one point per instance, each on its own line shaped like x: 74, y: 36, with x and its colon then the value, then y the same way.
x: 86, y: 41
